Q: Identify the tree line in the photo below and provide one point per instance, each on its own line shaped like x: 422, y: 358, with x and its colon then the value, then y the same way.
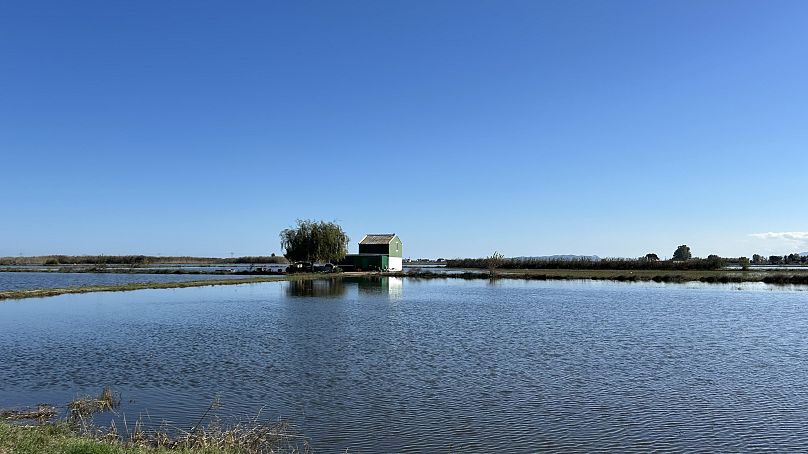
x: 790, y: 259
x: 712, y: 263
x: 682, y: 260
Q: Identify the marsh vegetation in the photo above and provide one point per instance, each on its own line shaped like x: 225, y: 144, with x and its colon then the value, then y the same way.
x: 77, y: 432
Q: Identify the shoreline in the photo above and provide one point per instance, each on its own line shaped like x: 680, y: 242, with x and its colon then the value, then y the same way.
x: 677, y: 277
x: 784, y: 277
x: 46, y: 292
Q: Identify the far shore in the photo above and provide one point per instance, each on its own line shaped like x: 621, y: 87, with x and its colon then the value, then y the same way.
x: 798, y: 277
x: 780, y: 277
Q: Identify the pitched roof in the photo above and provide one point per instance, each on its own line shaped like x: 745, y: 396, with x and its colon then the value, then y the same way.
x: 378, y: 238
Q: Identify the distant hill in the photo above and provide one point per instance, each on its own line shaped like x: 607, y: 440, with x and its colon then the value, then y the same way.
x: 593, y: 258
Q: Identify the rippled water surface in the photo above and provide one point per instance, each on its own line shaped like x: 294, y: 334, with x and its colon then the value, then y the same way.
x: 36, y: 280
x: 387, y: 365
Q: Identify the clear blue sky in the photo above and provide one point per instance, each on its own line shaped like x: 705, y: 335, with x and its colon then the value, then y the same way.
x: 613, y: 128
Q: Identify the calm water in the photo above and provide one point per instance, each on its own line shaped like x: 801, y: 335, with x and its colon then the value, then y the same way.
x: 34, y: 280
x: 413, y: 366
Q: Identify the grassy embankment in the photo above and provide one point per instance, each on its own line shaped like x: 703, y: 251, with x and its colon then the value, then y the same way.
x: 674, y: 276
x: 56, y: 439
x: 709, y: 270
x: 63, y: 438
x: 40, y: 293
x: 76, y: 432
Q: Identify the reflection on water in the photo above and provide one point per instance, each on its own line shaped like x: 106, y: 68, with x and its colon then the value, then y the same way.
x: 381, y: 285
x: 338, y: 286
x: 319, y: 288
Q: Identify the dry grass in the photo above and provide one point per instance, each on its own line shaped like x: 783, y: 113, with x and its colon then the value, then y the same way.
x: 254, y: 435
x: 41, y: 413
x: 84, y: 407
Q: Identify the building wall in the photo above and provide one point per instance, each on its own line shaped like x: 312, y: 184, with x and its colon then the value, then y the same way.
x: 395, y: 264
x: 396, y: 247
x: 374, y: 249
x: 393, y: 249
x: 366, y: 262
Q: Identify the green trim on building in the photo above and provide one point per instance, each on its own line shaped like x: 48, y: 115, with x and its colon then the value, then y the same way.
x: 396, y: 247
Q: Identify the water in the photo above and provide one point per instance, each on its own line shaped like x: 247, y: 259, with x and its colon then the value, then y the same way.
x: 387, y: 365
x: 36, y: 280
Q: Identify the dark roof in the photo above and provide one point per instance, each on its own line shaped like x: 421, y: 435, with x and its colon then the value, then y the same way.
x: 378, y: 238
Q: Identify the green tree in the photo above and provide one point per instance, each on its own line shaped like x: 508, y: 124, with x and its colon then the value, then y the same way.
x: 744, y: 262
x: 652, y: 257
x: 682, y: 253
x: 315, y: 241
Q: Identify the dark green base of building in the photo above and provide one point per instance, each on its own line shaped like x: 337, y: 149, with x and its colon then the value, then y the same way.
x: 365, y: 262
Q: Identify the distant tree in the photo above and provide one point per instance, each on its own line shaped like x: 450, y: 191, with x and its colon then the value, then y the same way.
x: 493, y: 262
x: 315, y: 241
x: 758, y: 259
x: 682, y: 253
x: 715, y: 262
x: 744, y: 262
x: 775, y: 259
x: 652, y: 257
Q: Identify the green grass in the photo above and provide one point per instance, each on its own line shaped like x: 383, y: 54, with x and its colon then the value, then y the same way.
x: 59, y: 438
x: 63, y: 438
x: 54, y: 438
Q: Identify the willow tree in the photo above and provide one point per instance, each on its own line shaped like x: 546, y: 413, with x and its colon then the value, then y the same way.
x: 314, y: 241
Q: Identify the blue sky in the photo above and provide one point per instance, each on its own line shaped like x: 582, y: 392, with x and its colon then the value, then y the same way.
x: 584, y: 127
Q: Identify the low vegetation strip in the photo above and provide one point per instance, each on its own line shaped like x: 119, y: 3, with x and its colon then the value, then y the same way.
x: 707, y: 276
x: 41, y: 293
x: 77, y: 432
x: 66, y: 438
x: 712, y: 263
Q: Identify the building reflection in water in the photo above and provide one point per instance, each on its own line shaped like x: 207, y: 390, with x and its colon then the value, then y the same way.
x: 316, y: 287
x: 381, y: 285
x: 336, y: 287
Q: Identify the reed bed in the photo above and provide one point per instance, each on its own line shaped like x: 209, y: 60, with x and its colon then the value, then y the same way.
x: 84, y: 407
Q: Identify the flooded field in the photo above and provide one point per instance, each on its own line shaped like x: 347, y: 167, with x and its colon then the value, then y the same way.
x: 406, y: 365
